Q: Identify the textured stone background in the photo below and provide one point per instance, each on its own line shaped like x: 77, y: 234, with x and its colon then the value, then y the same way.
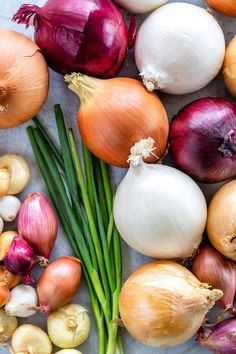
x: 15, y: 140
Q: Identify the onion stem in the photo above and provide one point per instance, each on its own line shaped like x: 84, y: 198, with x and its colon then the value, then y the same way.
x: 83, y: 199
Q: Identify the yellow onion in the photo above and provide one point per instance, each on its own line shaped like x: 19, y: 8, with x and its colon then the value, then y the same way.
x: 221, y: 220
x: 23, y: 78
x: 5, y: 177
x: 10, y: 279
x: 163, y: 304
x: 5, y: 294
x: 114, y: 114
x: 229, y: 67
x: 8, y: 325
x: 6, y: 239
x: 226, y: 7
x: 59, y: 283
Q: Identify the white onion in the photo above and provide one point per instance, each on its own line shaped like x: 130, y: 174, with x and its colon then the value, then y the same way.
x: 140, y: 6
x: 159, y: 211
x: 23, y: 301
x: 179, y: 49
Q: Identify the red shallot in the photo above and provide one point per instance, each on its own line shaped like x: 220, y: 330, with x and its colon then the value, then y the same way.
x: 37, y: 223
x: 20, y: 259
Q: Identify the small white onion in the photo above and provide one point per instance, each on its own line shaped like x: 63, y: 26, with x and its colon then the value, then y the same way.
x: 159, y: 211
x: 179, y: 49
x: 140, y: 6
x: 9, y: 207
x: 22, y: 302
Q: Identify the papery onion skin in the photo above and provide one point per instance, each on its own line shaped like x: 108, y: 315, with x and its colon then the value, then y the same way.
x: 169, y: 52
x: 37, y: 223
x: 220, y: 339
x: 24, y: 79
x: 140, y: 7
x: 87, y: 35
x: 221, y: 220
x: 163, y: 304
x: 116, y: 113
x: 212, y: 268
x: 203, y: 139
x: 148, y: 210
x: 226, y: 7
x: 59, y: 283
x: 229, y: 67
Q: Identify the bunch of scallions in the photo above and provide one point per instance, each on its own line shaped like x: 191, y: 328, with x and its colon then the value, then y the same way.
x: 83, y: 198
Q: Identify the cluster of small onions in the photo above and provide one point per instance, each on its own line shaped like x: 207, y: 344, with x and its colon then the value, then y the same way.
x: 68, y: 324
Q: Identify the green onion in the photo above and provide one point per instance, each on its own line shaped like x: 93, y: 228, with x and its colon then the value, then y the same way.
x: 83, y: 198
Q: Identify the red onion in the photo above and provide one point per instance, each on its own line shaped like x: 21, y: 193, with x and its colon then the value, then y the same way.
x: 203, y: 139
x: 221, y: 339
x: 37, y: 223
x: 211, y: 267
x: 89, y: 36
x: 20, y: 259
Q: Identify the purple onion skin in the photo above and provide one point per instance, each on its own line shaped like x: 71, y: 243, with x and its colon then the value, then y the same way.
x: 203, y: 139
x: 20, y: 259
x: 89, y: 36
x: 221, y: 339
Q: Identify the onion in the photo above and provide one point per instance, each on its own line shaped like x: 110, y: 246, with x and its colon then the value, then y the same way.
x: 88, y: 36
x: 19, y: 172
x: 203, y: 139
x: 158, y: 210
x: 221, y: 220
x: 69, y: 326
x: 23, y: 301
x: 8, y: 325
x: 220, y: 339
x: 20, y: 259
x: 6, y: 239
x: 10, y: 279
x: 227, y: 7
x: 179, y: 56
x: 229, y: 68
x: 37, y: 223
x: 211, y: 267
x: 23, y: 79
x: 140, y: 6
x: 28, y: 338
x: 5, y: 294
x: 114, y: 114
x: 59, y: 283
x: 163, y: 304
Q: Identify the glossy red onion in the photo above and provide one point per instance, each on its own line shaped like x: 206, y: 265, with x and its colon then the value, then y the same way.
x: 59, y: 283
x: 210, y: 267
x: 89, y: 36
x: 37, y: 223
x: 220, y: 339
x: 203, y: 139
x: 20, y: 259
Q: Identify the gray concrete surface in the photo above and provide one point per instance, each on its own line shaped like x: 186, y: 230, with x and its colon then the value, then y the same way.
x: 15, y: 140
